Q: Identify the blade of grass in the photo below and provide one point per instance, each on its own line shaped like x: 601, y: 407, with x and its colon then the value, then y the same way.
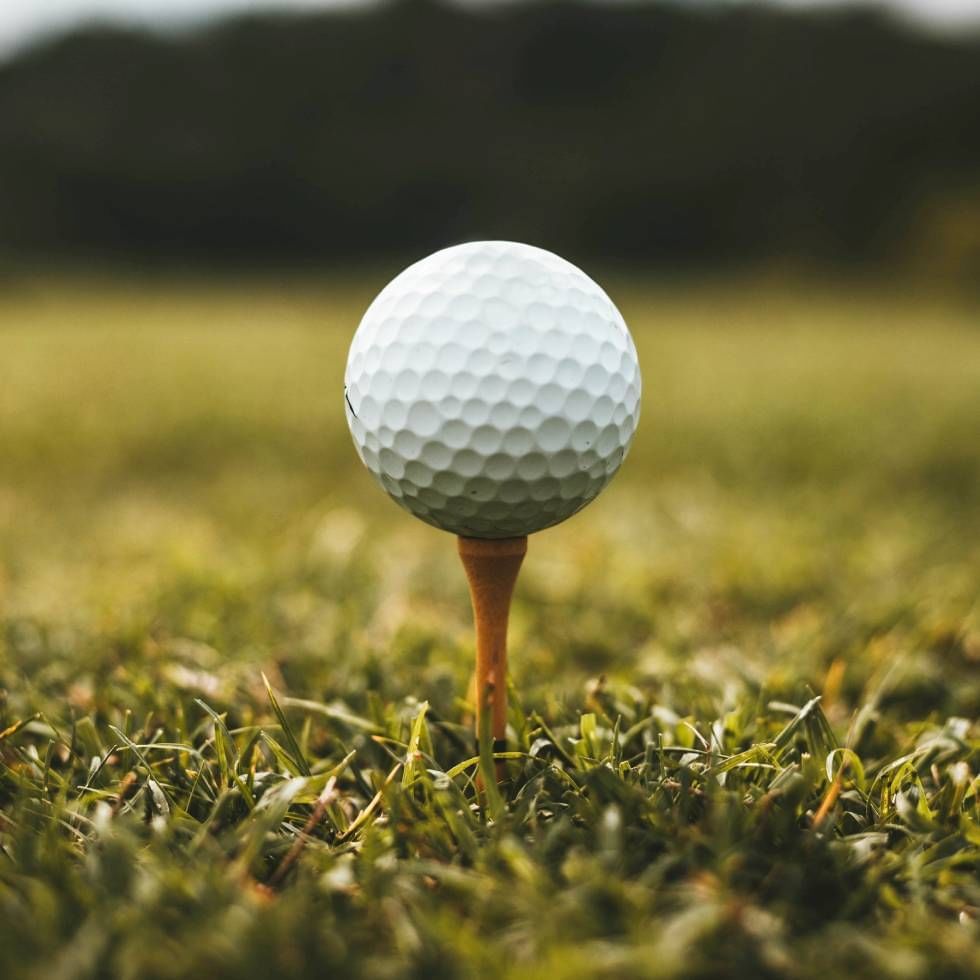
x: 292, y: 744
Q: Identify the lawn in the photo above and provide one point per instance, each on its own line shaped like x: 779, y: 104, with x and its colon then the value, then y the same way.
x: 234, y: 737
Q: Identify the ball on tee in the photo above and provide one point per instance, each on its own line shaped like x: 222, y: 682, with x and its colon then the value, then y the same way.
x: 492, y: 389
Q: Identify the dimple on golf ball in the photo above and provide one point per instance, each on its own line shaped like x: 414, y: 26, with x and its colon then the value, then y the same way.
x: 492, y: 389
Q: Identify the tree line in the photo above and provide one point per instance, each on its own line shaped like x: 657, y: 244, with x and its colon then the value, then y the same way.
x: 642, y: 132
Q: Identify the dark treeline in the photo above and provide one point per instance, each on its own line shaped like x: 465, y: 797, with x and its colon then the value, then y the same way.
x: 650, y: 132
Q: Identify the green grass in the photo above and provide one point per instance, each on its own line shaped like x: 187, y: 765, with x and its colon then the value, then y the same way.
x: 745, y: 683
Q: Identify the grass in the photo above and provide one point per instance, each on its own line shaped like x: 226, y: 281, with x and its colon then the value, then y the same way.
x: 746, y: 682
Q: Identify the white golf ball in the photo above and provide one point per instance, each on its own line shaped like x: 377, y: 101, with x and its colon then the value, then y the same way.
x: 492, y: 389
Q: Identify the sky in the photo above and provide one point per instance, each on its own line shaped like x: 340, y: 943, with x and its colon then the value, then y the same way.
x: 22, y: 21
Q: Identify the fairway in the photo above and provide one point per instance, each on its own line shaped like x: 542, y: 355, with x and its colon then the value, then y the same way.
x: 182, y: 512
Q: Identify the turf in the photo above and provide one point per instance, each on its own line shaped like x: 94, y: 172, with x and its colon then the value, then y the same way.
x: 745, y: 683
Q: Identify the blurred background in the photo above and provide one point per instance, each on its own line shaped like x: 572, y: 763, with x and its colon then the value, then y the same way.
x: 685, y: 135
x: 198, y: 199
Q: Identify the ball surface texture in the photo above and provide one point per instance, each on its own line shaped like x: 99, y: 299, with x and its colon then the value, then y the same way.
x: 492, y: 389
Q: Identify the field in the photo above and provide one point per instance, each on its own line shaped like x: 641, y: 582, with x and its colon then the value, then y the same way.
x: 745, y: 682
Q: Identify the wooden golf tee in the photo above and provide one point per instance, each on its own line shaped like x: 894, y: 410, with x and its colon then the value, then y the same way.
x: 491, y: 568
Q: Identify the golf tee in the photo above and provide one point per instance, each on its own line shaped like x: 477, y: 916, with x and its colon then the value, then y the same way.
x: 491, y: 567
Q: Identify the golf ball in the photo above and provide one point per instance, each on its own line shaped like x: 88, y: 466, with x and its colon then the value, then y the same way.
x: 492, y: 389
